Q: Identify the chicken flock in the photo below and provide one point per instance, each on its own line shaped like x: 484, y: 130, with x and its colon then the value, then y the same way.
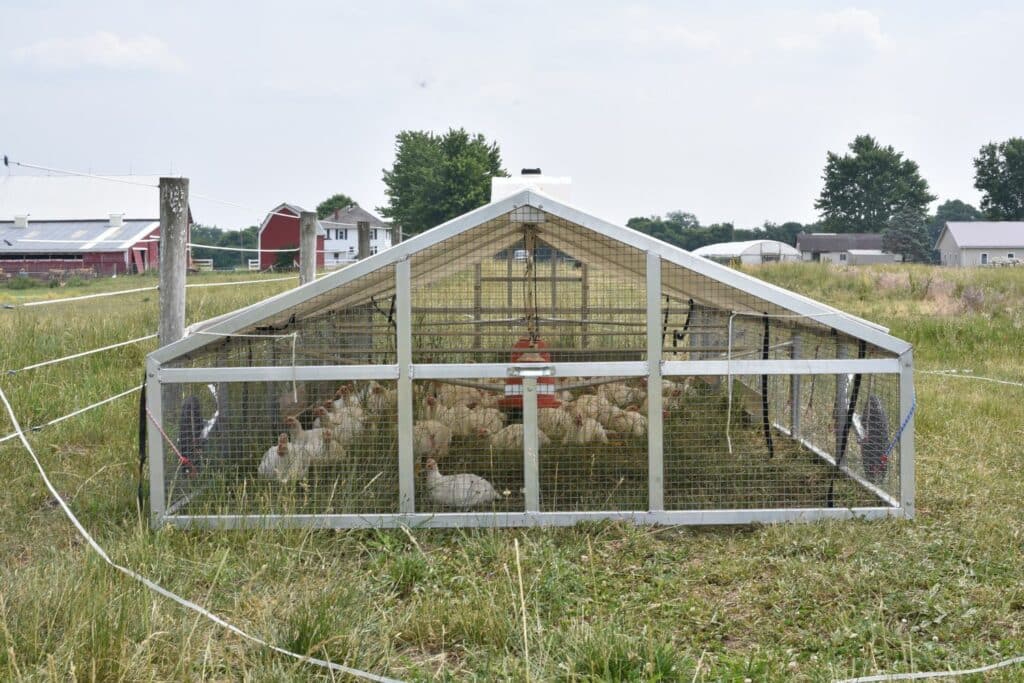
x: 613, y: 410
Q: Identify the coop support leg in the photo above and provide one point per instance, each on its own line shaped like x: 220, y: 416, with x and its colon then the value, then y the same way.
x: 157, y: 461
x: 794, y: 389
x: 655, y: 417
x: 531, y: 445
x: 907, y: 486
x: 839, y: 406
x: 403, y: 330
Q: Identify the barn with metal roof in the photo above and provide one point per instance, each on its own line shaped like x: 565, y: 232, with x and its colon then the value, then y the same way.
x: 107, y: 225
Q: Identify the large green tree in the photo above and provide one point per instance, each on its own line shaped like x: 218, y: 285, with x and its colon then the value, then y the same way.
x: 905, y: 233
x: 682, y: 229
x: 867, y: 187
x: 437, y: 177
x: 951, y: 210
x: 999, y: 174
x: 245, y: 238
x: 332, y: 204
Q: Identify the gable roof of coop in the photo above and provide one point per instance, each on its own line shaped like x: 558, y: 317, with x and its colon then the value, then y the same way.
x: 479, y: 234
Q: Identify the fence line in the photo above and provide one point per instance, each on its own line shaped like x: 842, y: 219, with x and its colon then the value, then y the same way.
x: 81, y: 354
x: 47, y: 302
x: 955, y: 374
x: 880, y: 678
x: 155, y: 587
x: 14, y: 435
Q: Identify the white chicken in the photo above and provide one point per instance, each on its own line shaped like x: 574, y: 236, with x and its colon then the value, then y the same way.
x: 380, y: 400
x: 629, y: 422
x: 346, y: 424
x: 511, y: 438
x: 555, y: 422
x: 588, y: 430
x: 484, y: 421
x: 345, y: 398
x: 283, y: 462
x: 451, y: 395
x: 488, y: 399
x: 334, y: 447
x: 458, y: 490
x: 620, y: 394
x: 595, y: 407
x: 431, y: 438
x: 310, y: 439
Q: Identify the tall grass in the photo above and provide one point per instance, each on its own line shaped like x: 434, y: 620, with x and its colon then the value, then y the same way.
x: 603, y: 601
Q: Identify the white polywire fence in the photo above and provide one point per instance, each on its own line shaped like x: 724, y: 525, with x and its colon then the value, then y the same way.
x: 136, y: 290
x: 157, y: 588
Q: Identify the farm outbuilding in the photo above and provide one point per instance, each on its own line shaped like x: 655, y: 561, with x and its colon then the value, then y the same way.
x: 981, y: 243
x: 752, y: 252
x: 337, y: 240
x: 434, y: 384
x: 74, y: 225
x: 278, y: 238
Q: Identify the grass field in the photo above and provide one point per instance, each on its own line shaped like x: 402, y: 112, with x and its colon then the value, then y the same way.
x: 602, y: 602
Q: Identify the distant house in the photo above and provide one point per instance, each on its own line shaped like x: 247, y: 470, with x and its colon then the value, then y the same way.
x: 104, y: 226
x: 342, y: 228
x: 847, y: 248
x: 751, y: 252
x: 981, y: 243
x: 337, y: 241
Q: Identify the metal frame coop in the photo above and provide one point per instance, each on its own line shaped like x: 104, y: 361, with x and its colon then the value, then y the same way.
x: 579, y: 369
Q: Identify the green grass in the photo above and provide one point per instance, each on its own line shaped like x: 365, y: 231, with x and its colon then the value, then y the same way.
x: 603, y: 601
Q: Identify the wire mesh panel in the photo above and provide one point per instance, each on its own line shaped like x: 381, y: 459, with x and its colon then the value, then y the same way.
x: 735, y: 451
x: 351, y: 327
x: 468, y: 447
x: 475, y: 307
x: 594, y: 445
x: 281, y: 448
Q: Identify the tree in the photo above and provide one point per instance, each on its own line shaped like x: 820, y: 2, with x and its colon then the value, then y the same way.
x: 332, y: 204
x: 437, y: 177
x: 245, y: 238
x: 951, y: 210
x: 907, y: 234
x: 999, y: 174
x: 865, y: 189
x: 682, y: 229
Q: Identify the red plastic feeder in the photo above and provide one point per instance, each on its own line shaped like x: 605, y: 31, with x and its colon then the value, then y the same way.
x: 529, y: 351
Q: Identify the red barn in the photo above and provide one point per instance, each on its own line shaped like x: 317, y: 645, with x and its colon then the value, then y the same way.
x: 106, y: 226
x: 280, y: 230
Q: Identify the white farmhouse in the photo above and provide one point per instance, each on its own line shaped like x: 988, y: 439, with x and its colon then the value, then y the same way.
x: 341, y: 235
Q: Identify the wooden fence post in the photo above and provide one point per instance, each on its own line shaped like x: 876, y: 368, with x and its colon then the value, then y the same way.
x: 173, y: 258
x: 307, y: 247
x: 364, y: 239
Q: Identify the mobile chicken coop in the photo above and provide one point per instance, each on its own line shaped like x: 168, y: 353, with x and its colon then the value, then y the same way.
x: 529, y: 364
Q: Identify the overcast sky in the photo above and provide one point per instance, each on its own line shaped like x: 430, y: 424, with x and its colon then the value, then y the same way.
x: 725, y: 110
